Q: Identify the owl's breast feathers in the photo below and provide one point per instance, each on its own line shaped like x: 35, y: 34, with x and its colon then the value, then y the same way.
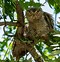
x: 40, y: 26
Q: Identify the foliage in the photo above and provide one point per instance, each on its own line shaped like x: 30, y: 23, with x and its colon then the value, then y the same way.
x: 46, y: 49
x: 55, y: 4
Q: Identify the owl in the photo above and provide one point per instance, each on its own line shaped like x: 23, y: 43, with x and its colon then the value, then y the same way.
x: 40, y: 23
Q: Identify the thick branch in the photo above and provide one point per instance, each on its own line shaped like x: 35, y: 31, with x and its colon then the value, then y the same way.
x: 33, y: 52
x: 20, y: 19
x: 8, y: 23
x: 20, y: 15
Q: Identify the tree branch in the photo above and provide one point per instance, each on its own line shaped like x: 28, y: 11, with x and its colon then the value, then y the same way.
x: 20, y: 19
x: 8, y: 23
x: 33, y: 52
x: 20, y: 15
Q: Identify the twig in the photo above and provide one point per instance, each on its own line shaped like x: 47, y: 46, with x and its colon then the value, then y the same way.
x: 8, y: 23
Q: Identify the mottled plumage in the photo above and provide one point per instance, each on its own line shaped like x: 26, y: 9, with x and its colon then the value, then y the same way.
x: 40, y: 23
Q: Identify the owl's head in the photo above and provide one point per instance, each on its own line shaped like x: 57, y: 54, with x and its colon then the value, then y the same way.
x: 34, y: 14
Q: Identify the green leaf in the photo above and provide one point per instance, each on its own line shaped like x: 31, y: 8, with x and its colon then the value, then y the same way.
x: 51, y: 2
x: 58, y: 26
x: 37, y: 5
x: 0, y: 3
x: 57, y: 1
x: 55, y: 52
x: 57, y: 8
x: 26, y: 4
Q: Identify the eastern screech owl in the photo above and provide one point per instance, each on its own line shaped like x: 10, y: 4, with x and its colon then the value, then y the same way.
x: 40, y: 23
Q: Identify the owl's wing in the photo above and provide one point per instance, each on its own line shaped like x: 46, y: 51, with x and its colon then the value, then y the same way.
x: 49, y: 20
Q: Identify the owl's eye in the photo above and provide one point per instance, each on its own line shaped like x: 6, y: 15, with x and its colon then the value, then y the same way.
x: 38, y: 10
